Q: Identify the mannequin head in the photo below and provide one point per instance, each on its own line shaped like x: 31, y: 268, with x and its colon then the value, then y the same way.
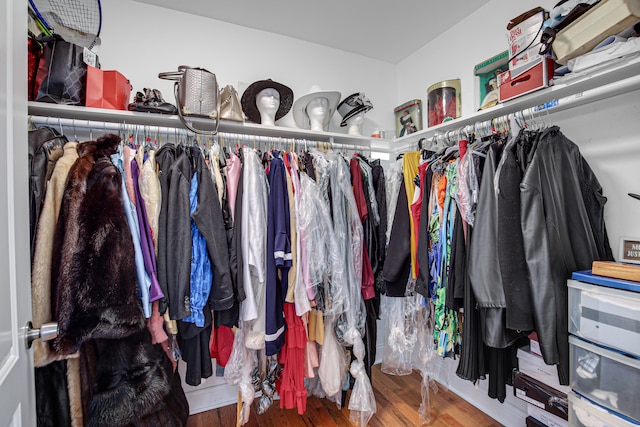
x: 268, y: 102
x: 354, y: 124
x: 317, y: 111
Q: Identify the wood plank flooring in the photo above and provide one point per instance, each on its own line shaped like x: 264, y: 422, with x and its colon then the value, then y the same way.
x: 398, y: 399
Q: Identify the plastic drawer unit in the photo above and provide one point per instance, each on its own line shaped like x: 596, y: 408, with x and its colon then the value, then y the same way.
x: 605, y: 315
x: 607, y: 377
x: 583, y: 413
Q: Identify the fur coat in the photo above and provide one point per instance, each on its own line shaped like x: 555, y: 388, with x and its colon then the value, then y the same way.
x: 126, y: 380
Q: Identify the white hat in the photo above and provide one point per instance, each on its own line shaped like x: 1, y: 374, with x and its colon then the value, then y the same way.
x: 300, y: 106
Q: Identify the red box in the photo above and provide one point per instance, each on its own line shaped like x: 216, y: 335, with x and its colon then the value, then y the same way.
x: 107, y: 89
x: 537, y: 77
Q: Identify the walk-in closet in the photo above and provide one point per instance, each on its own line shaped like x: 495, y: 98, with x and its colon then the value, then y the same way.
x: 373, y: 234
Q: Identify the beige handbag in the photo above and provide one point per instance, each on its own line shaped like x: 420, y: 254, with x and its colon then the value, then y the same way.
x: 230, y: 108
x: 196, y: 92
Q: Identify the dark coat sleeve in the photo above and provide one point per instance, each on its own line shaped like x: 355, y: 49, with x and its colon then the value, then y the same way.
x: 397, y: 265
x: 208, y: 219
x: 164, y: 158
x: 179, y: 239
x: 424, y: 277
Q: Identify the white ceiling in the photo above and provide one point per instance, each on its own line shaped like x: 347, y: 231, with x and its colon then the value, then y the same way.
x: 382, y: 29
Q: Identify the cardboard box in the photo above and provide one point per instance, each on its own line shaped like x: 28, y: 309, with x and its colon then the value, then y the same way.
x: 534, y: 79
x: 547, y: 418
x: 607, y: 18
x: 534, y: 366
x: 524, y: 44
x: 540, y: 395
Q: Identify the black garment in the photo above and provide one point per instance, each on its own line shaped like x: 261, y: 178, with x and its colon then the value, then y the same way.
x: 178, y: 240
x: 458, y: 269
x: 472, y: 361
x: 210, y: 222
x: 52, y: 397
x: 370, y: 336
x: 562, y: 206
x: 501, y: 364
x: 381, y: 229
x: 130, y: 382
x: 194, y: 344
x: 307, y: 161
x: 397, y: 265
x: 510, y: 248
x: 231, y: 316
x: 484, y: 270
x: 165, y: 156
x: 45, y: 148
x: 424, y: 238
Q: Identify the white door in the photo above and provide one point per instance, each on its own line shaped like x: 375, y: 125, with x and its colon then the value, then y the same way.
x: 17, y: 402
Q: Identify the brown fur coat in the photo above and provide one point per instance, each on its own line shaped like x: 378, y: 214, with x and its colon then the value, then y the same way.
x: 126, y: 380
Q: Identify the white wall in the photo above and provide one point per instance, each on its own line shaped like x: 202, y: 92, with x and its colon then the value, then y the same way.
x: 455, y: 53
x: 142, y: 40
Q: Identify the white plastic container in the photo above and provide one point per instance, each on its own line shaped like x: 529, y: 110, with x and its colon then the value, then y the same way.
x: 609, y: 378
x: 607, y: 316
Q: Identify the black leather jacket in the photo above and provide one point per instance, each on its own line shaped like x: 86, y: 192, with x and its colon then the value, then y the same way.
x: 563, y: 229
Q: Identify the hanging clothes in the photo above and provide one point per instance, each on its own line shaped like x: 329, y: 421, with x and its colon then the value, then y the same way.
x: 165, y: 157
x: 563, y: 228
x: 99, y: 282
x: 278, y: 255
x: 410, y: 168
x: 254, y: 227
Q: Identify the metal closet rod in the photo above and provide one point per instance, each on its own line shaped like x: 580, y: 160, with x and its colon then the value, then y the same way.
x: 175, y: 133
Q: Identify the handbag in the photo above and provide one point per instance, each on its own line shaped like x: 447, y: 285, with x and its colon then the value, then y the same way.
x: 230, y: 107
x: 62, y: 73
x: 35, y: 53
x: 196, y: 92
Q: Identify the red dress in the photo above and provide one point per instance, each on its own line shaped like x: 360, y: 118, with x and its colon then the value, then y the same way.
x: 290, y: 386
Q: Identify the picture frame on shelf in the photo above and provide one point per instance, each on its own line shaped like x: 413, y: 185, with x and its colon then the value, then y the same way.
x: 486, y: 80
x: 408, y: 117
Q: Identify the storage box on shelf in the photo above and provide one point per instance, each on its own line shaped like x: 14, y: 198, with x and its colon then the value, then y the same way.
x: 583, y: 413
x: 524, y: 43
x: 607, y: 377
x: 534, y: 366
x: 539, y: 394
x: 607, y: 18
x: 604, y: 314
x: 545, y: 418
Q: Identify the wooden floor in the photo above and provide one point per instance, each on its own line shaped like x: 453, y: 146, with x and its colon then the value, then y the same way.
x: 397, y: 398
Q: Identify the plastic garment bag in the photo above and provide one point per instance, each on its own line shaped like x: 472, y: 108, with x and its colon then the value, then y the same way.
x: 362, y: 402
x: 314, y: 218
x: 393, y: 178
x: 467, y: 193
x: 239, y: 369
x: 332, y: 369
x: 400, y: 335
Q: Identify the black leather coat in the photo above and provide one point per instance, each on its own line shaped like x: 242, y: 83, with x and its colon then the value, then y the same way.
x: 563, y: 228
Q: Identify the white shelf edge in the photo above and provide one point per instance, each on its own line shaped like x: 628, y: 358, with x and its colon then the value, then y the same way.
x: 603, y: 77
x: 89, y: 114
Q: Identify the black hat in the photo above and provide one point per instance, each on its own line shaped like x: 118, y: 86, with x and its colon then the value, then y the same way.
x: 352, y: 105
x: 248, y: 100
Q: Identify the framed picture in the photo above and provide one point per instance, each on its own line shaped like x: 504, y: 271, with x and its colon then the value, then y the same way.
x: 486, y: 76
x: 408, y: 117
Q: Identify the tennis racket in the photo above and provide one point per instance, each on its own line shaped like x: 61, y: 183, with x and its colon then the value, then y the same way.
x: 76, y: 21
